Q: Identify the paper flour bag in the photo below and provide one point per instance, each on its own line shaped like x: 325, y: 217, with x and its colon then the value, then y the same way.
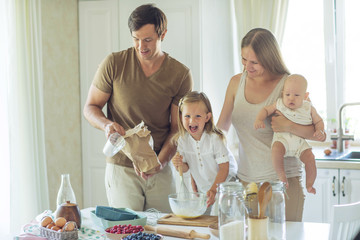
x: 139, y: 149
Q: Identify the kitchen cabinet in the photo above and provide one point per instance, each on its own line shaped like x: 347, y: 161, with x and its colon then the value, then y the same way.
x: 333, y: 186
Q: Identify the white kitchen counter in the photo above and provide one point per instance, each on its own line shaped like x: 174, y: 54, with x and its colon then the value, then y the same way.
x: 323, y: 161
x: 294, y: 230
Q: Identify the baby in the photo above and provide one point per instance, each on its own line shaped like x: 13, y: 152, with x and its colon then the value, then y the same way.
x: 296, y: 108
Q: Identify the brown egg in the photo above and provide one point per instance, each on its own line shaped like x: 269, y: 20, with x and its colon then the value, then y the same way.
x: 60, y: 222
x: 69, y: 226
x: 55, y: 228
x: 46, y: 221
x: 327, y: 152
x: 50, y: 225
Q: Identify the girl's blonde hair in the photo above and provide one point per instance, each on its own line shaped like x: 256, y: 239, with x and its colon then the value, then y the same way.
x: 195, y: 97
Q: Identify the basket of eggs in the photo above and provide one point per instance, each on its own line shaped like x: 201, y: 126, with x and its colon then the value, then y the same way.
x: 60, y: 229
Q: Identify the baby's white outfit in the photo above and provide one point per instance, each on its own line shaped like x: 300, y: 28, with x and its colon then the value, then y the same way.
x: 294, y: 145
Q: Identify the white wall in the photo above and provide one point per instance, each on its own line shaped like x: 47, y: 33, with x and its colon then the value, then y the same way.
x: 217, y: 51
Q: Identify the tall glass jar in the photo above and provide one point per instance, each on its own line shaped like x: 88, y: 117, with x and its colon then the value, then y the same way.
x: 231, y: 211
x: 276, y: 208
x: 66, y: 193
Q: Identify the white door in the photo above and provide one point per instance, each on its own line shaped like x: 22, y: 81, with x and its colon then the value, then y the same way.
x: 349, y: 186
x: 103, y: 29
x: 317, y: 207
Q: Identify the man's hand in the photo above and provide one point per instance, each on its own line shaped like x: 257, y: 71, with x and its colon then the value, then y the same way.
x: 146, y: 176
x: 112, y: 128
x: 142, y: 174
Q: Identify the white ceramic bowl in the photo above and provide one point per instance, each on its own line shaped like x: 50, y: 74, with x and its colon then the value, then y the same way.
x: 188, y: 205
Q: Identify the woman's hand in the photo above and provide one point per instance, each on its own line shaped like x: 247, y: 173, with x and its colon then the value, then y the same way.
x: 279, y: 123
x: 320, y: 135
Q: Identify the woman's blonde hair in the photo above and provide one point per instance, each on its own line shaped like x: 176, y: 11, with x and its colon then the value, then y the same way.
x: 267, y: 50
x: 195, y: 97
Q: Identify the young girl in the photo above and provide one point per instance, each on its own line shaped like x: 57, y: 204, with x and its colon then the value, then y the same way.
x: 202, y: 147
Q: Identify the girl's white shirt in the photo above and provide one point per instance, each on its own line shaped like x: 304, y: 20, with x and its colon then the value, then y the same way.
x: 204, y: 156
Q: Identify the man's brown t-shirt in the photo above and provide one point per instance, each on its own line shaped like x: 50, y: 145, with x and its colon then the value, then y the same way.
x: 135, y: 97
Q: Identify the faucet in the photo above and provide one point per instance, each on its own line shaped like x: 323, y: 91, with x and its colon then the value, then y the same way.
x: 341, y: 137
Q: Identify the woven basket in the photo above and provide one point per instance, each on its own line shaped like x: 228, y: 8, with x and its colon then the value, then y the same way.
x: 54, y: 235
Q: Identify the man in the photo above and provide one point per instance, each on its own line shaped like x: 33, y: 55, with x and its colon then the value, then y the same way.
x: 140, y: 83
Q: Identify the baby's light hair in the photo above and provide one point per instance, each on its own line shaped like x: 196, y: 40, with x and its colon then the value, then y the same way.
x: 195, y: 97
x: 297, y: 77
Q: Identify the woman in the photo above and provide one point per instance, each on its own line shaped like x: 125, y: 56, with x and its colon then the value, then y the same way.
x: 260, y: 84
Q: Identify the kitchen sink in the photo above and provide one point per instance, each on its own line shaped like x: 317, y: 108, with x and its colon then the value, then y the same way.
x: 350, y: 156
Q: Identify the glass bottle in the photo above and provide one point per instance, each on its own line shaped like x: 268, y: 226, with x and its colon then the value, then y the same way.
x: 276, y: 208
x: 66, y: 192
x: 231, y: 211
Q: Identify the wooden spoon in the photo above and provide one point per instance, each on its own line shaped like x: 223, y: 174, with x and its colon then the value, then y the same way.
x: 264, y: 196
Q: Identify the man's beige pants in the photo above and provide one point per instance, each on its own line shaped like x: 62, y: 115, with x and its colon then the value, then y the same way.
x: 125, y: 189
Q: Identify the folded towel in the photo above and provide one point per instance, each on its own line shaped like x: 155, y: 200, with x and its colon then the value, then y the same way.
x: 114, y: 214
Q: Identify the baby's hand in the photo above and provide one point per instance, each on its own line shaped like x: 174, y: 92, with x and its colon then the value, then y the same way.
x: 320, y: 135
x: 259, y: 124
x: 177, y: 160
x: 211, y: 197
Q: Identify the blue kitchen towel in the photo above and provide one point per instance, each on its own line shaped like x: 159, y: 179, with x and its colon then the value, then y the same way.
x: 114, y: 214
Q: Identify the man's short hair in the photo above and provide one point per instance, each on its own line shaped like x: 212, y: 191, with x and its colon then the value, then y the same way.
x: 147, y: 14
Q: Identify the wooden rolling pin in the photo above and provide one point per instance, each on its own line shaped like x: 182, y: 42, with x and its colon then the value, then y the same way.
x: 177, y: 232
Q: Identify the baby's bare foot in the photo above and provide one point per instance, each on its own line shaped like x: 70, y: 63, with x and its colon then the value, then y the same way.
x: 311, y: 190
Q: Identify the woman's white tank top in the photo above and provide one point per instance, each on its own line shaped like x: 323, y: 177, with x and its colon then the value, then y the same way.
x: 255, y: 163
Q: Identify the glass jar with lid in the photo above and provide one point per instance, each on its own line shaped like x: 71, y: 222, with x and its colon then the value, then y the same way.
x: 276, y: 212
x: 231, y: 211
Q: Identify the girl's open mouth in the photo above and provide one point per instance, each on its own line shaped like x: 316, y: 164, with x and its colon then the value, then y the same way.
x: 193, y: 128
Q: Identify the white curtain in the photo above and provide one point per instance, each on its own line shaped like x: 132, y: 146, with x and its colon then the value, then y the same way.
x: 25, y: 178
x: 249, y: 14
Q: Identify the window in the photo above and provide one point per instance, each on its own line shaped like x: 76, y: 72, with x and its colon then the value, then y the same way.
x: 351, y: 66
x: 321, y: 42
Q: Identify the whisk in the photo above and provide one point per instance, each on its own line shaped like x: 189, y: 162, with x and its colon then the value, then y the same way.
x: 183, y: 191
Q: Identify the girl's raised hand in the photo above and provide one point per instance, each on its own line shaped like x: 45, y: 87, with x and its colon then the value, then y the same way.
x: 177, y: 160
